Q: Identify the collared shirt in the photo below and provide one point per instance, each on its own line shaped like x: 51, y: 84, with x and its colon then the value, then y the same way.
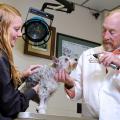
x: 89, y: 81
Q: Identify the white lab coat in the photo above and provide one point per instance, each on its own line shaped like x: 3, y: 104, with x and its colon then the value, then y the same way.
x: 90, y: 77
x: 110, y: 97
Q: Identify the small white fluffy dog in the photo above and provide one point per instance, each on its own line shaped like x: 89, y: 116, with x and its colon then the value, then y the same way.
x: 45, y: 77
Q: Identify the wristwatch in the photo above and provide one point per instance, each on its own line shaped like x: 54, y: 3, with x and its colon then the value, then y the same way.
x: 68, y: 86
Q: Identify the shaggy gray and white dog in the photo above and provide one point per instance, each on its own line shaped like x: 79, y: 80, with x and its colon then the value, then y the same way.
x: 45, y: 77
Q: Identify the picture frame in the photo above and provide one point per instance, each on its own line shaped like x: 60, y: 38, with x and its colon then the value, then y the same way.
x: 45, y: 51
x: 69, y: 45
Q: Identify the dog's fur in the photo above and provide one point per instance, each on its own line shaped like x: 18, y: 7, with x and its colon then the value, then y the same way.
x: 45, y: 77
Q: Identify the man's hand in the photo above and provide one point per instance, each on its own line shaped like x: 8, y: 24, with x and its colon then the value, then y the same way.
x: 107, y: 58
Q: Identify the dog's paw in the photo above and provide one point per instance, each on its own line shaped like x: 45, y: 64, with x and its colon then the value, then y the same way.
x: 40, y: 110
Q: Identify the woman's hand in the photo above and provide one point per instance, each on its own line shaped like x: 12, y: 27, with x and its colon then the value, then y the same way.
x: 32, y: 69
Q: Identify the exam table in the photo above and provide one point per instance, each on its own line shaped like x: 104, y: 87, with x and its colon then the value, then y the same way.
x: 36, y: 116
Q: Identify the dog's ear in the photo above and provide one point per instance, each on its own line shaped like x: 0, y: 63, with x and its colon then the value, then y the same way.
x: 55, y: 61
x: 53, y: 57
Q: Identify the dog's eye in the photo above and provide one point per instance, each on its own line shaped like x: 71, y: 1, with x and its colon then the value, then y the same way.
x: 76, y: 59
x: 66, y: 59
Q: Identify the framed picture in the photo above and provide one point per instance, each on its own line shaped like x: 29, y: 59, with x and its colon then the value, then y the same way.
x: 72, y: 46
x: 44, y: 51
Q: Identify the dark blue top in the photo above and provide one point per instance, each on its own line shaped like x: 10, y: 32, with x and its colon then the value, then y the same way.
x: 12, y: 101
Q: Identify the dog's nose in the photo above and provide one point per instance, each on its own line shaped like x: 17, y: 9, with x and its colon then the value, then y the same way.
x: 76, y: 59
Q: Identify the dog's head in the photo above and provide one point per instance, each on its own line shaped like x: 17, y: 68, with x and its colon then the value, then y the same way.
x: 64, y: 62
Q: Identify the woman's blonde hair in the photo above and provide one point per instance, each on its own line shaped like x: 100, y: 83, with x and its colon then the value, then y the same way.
x: 7, y: 14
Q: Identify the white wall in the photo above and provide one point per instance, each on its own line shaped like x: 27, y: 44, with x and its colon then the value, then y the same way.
x: 79, y: 23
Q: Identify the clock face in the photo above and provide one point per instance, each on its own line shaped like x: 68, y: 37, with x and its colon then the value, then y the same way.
x: 36, y: 30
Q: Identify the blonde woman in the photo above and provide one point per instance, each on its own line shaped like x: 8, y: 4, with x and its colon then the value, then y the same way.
x: 12, y: 101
